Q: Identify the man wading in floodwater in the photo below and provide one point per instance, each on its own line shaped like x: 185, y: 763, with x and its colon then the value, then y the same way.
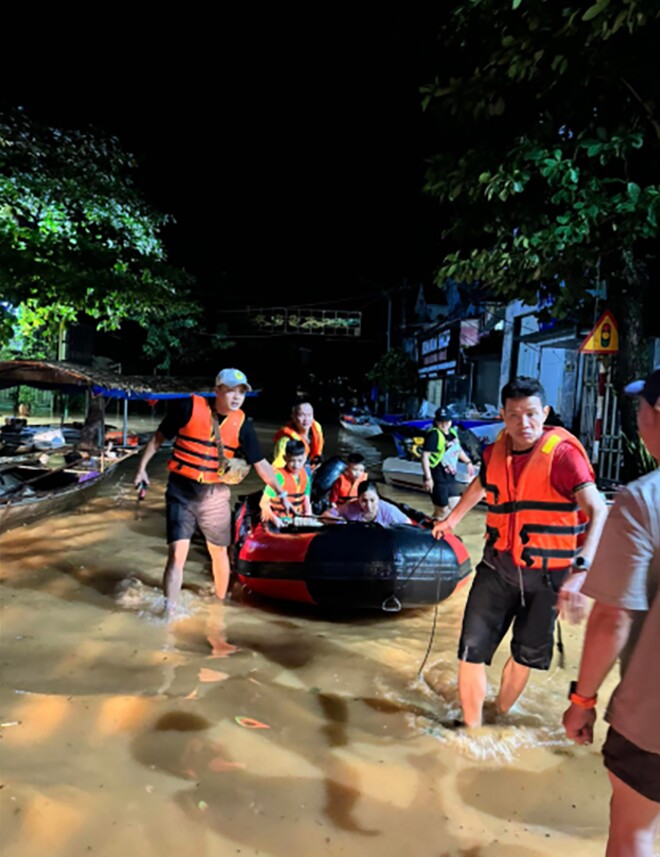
x: 536, y: 482
x: 214, y: 445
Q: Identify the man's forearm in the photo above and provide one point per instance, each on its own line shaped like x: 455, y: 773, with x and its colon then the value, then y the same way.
x: 153, y: 445
x: 267, y: 475
x: 426, y: 465
x: 594, y: 507
x: 607, y: 632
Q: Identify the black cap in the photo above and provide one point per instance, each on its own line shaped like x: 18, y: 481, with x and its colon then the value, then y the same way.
x: 649, y: 388
x: 442, y: 415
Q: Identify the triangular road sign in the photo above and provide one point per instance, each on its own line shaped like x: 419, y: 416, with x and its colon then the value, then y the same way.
x: 604, y: 338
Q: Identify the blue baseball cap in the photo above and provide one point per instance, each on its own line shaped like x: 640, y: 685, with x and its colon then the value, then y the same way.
x: 649, y: 388
x: 232, y: 378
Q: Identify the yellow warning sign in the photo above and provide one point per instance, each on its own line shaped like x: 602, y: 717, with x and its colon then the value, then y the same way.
x: 604, y: 338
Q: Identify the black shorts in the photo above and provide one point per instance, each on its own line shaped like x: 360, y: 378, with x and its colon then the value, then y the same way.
x: 494, y: 604
x: 444, y: 486
x: 637, y: 768
x: 191, y: 505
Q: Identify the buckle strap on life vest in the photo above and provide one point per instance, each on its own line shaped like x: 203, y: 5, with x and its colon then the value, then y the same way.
x: 531, y: 505
x: 545, y: 554
x: 195, y: 440
x: 550, y: 530
x: 493, y: 489
x: 197, y: 465
x: 492, y: 534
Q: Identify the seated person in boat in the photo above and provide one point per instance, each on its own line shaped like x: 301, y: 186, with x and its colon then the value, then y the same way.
x: 302, y: 426
x: 369, y: 507
x: 293, y: 483
x: 346, y: 486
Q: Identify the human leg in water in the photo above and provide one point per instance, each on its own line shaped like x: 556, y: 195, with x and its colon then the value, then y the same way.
x: 220, y: 567
x: 514, y: 681
x: 177, y: 553
x: 472, y: 687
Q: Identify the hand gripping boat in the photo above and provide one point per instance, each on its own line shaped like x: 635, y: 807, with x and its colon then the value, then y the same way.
x: 349, y: 565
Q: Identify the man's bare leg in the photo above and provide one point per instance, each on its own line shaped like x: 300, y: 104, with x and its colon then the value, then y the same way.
x: 472, y: 687
x: 440, y: 512
x: 177, y: 553
x: 514, y: 681
x: 634, y: 820
x: 220, y: 567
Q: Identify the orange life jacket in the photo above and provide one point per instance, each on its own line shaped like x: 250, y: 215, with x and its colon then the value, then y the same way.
x: 195, y: 452
x: 344, y: 489
x: 295, y: 486
x: 313, y: 448
x: 534, y: 522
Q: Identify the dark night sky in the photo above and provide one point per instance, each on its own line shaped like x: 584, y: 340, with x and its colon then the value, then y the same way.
x: 291, y: 156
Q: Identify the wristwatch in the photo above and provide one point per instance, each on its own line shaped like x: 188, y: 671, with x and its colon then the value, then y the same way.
x: 580, y: 565
x: 578, y: 699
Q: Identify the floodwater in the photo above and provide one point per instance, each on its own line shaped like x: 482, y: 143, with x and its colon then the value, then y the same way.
x: 256, y: 728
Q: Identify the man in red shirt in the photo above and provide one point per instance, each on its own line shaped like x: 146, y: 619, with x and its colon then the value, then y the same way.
x: 540, y: 489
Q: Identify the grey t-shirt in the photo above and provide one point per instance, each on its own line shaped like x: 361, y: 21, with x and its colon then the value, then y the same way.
x: 626, y: 573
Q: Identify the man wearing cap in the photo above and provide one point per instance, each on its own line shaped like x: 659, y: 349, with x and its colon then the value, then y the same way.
x: 624, y: 580
x: 440, y: 456
x: 213, y: 448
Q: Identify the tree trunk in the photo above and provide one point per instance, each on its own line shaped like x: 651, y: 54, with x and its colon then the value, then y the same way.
x: 627, y: 298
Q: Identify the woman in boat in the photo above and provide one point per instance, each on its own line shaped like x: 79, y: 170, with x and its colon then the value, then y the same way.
x: 369, y: 508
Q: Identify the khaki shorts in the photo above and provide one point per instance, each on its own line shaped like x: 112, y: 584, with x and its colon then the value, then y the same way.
x: 191, y: 505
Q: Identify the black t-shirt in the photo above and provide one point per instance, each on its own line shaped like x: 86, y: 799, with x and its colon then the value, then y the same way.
x: 180, y: 411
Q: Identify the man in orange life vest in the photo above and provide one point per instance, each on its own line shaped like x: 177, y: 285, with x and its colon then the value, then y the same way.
x: 539, y: 486
x: 346, y: 486
x: 211, y: 438
x: 292, y: 479
x: 302, y: 426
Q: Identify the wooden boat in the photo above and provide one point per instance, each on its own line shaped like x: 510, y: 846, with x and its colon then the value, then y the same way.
x: 29, y: 490
x: 32, y: 491
x: 348, y: 565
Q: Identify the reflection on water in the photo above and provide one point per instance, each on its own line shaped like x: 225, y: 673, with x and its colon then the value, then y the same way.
x: 254, y: 727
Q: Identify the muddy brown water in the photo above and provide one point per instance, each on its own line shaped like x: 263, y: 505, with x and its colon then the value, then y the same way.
x: 123, y: 735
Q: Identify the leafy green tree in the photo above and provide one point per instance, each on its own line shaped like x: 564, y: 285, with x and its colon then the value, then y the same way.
x: 395, y: 372
x: 76, y: 236
x: 550, y: 168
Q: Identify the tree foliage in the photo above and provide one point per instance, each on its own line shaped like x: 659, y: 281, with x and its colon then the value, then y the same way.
x: 551, y: 169
x: 394, y: 372
x: 76, y: 236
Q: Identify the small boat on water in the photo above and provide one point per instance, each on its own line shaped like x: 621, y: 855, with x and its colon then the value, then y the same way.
x: 363, y: 425
x: 32, y: 491
x: 348, y: 565
x: 406, y: 473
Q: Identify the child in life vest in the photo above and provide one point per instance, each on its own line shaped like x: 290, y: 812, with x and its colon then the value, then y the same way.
x: 346, y: 486
x: 294, y: 484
